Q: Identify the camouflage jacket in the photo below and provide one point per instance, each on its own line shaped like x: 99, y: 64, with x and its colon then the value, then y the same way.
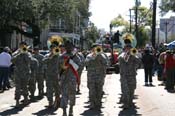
x: 96, y: 65
x: 51, y: 65
x: 40, y: 58
x: 22, y: 62
x: 129, y: 67
x: 68, y: 74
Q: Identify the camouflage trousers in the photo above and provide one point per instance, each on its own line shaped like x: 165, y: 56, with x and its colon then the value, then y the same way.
x: 68, y: 92
x: 40, y: 81
x: 128, y: 86
x: 21, y: 82
x: 95, y: 86
x: 52, y: 87
x: 32, y: 84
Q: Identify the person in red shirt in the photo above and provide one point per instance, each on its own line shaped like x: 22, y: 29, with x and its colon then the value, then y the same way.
x: 169, y: 69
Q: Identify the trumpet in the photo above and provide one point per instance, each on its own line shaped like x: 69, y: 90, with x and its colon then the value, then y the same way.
x: 98, y: 50
x: 133, y: 51
x: 24, y: 49
x: 56, y: 51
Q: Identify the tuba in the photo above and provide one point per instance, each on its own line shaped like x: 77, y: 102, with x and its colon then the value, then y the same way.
x: 54, y: 39
x: 129, y: 40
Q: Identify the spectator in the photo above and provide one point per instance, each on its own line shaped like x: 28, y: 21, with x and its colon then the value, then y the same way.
x: 5, y: 62
x: 169, y: 69
x: 148, y: 61
x: 117, y: 37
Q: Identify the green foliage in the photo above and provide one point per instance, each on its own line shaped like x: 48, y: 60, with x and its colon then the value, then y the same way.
x: 167, y: 5
x: 144, y: 16
x: 92, y: 34
x: 119, y: 21
x: 143, y: 36
x: 144, y: 19
x: 36, y: 14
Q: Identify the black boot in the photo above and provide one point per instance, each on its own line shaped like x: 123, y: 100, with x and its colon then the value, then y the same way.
x: 50, y: 105
x: 64, y: 112
x: 57, y: 102
x: 71, y: 111
x: 26, y: 101
x: 17, y: 104
x: 32, y: 98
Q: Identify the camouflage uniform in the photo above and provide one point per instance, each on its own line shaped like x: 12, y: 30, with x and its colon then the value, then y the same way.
x: 128, y: 72
x: 40, y: 73
x: 22, y: 74
x: 68, y: 82
x: 105, y: 66
x: 52, y: 77
x: 95, y: 74
x: 32, y: 81
x: 81, y: 59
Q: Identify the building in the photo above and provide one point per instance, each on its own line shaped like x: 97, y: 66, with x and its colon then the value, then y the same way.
x: 167, y: 25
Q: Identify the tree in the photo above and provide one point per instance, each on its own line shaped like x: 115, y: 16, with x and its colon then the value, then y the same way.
x: 144, y: 16
x: 167, y: 5
x: 144, y: 19
x: 92, y: 34
x: 37, y: 13
x: 119, y: 21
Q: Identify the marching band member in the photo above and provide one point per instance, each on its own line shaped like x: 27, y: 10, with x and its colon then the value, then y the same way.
x: 32, y: 80
x: 128, y: 70
x: 51, y: 61
x: 96, y: 64
x: 40, y: 71
x: 22, y: 71
x: 81, y: 59
x: 69, y: 78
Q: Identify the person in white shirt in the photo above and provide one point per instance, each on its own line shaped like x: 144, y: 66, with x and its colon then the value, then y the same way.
x: 5, y: 62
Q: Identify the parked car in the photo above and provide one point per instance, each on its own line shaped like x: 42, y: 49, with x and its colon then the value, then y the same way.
x: 44, y: 52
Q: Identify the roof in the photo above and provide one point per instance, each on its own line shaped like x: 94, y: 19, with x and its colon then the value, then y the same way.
x: 168, y: 15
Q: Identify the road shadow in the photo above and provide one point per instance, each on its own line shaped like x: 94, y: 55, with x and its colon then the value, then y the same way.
x: 14, y: 110
x: 129, y: 112
x: 90, y: 112
x: 45, y: 112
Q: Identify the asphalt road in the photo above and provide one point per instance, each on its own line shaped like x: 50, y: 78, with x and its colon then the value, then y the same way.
x: 150, y: 101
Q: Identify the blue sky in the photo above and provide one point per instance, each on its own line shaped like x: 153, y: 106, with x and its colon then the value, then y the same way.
x: 103, y: 11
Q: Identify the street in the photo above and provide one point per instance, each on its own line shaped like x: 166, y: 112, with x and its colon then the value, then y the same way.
x: 150, y: 101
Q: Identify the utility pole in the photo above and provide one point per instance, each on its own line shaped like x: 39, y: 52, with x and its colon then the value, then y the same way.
x: 158, y: 36
x: 166, y: 31
x: 154, y: 22
x: 136, y: 14
x: 130, y: 20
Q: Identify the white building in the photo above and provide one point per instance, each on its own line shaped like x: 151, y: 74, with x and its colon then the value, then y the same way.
x: 167, y: 26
